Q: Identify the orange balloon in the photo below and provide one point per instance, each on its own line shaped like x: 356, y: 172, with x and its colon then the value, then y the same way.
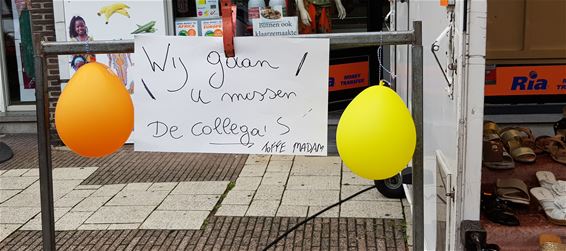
x: 95, y: 114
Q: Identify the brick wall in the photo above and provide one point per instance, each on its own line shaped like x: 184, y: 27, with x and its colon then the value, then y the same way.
x: 43, y: 23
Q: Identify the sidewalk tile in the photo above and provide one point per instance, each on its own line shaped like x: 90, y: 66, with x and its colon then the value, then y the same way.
x: 253, y: 170
x: 310, y: 197
x: 120, y: 214
x: 371, y: 195
x: 67, y: 202
x: 16, y: 182
x: 201, y: 187
x: 137, y: 186
x: 238, y: 197
x: 7, y: 229
x: 93, y: 227
x: 303, y: 169
x: 73, y: 173
x: 279, y: 166
x: 23, y: 199
x: 189, y: 202
x: 124, y: 226
x: 263, y: 208
x: 17, y: 214
x: 34, y: 172
x: 232, y: 210
x: 266, y: 192
x: 35, y: 223
x: 313, y: 183
x: 292, y: 211
x: 163, y: 186
x: 63, y: 187
x: 304, y: 162
x: 108, y: 190
x: 137, y: 198
x: 257, y: 159
x: 90, y: 204
x: 14, y: 172
x: 372, y: 209
x: 247, y: 183
x: 332, y: 213
x: 275, y: 179
x: 88, y: 187
x: 82, y: 193
x: 71, y: 221
x: 175, y: 220
x: 355, y: 180
x: 7, y: 194
x: 282, y: 157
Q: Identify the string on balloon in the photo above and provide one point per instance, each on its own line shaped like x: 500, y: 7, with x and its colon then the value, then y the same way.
x: 314, y: 216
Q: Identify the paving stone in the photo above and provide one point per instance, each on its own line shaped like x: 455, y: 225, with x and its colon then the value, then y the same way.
x: 68, y: 202
x: 263, y: 208
x: 232, y: 210
x: 279, y: 179
x: 353, y: 179
x: 175, y: 220
x: 7, y: 194
x: 292, y: 211
x: 316, y: 166
x: 269, y: 193
x: 201, y: 187
x: 73, y: 173
x: 371, y: 195
x: 34, y: 172
x: 108, y: 190
x: 71, y: 221
x: 408, y: 214
x: 35, y: 222
x: 163, y: 186
x: 14, y: 172
x: 257, y: 159
x: 279, y: 166
x: 16, y: 182
x: 247, y: 183
x: 17, y: 214
x: 281, y: 157
x: 93, y: 227
x: 137, y: 198
x: 82, y: 193
x: 238, y: 197
x: 63, y: 187
x: 137, y: 186
x: 120, y: 214
x: 372, y: 209
x: 90, y: 204
x: 253, y: 170
x: 189, y: 202
x: 310, y: 197
x: 7, y: 229
x: 123, y: 226
x: 23, y: 199
x: 331, y: 213
x: 313, y: 183
x: 2, y: 172
x: 88, y: 187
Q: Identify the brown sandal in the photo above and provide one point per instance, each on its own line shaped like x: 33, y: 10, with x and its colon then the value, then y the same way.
x: 520, y: 143
x: 557, y: 148
x: 494, y: 154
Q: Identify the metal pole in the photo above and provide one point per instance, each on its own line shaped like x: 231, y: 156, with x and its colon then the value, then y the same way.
x: 418, y: 157
x: 45, y: 174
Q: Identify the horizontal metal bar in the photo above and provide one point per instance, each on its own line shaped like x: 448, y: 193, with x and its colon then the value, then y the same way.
x: 337, y: 40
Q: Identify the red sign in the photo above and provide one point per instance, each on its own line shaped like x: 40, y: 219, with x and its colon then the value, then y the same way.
x: 348, y: 76
x: 527, y: 80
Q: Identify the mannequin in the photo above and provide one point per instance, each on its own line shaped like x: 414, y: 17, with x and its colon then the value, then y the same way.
x: 315, y: 17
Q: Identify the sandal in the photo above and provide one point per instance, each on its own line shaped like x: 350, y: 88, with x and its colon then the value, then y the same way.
x: 554, y: 207
x: 497, y: 211
x: 541, y: 142
x: 494, y: 154
x: 513, y: 190
x: 557, y: 148
x: 519, y: 144
x: 548, y: 181
x: 490, y: 127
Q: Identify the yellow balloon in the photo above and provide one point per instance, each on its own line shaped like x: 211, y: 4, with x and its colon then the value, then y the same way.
x: 376, y: 135
x: 95, y: 114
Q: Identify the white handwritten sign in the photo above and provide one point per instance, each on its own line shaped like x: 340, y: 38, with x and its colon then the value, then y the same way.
x: 272, y: 98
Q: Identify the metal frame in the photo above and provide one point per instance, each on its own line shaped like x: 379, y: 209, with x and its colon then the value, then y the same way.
x: 338, y: 40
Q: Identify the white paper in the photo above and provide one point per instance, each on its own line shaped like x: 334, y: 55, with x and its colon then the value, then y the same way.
x: 272, y: 98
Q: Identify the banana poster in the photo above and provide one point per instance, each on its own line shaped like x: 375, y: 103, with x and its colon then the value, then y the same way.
x: 91, y: 20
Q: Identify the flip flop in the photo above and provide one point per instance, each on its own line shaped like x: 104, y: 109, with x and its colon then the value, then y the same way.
x: 513, y: 190
x: 547, y: 180
x: 551, y: 205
